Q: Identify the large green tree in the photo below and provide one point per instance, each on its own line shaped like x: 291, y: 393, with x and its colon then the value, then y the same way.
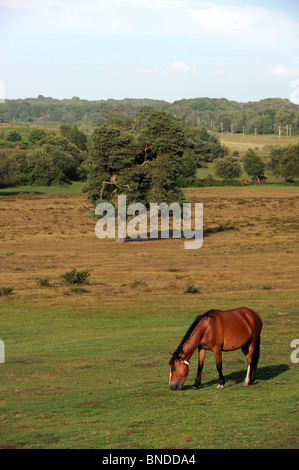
x: 228, y: 168
x: 9, y: 170
x: 284, y: 162
x: 54, y: 159
x: 254, y: 165
x: 144, y: 158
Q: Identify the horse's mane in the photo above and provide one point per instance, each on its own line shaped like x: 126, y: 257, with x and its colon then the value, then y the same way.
x: 188, y: 333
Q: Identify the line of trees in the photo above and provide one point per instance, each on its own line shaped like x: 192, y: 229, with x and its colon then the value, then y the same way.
x: 148, y: 157
x: 264, y: 116
x: 283, y: 162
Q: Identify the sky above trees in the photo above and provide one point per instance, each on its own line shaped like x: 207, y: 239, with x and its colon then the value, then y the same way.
x: 161, y: 49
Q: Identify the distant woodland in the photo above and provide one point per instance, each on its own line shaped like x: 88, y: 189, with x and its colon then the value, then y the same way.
x: 268, y: 116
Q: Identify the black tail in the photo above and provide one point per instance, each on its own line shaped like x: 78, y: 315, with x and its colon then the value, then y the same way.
x: 255, y: 359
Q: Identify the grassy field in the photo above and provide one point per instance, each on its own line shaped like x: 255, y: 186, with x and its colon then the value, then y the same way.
x: 260, y: 144
x: 90, y: 369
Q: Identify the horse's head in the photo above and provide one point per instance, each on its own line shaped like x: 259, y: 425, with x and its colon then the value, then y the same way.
x: 179, y: 369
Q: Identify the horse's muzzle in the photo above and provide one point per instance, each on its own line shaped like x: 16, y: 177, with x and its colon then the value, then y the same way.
x: 175, y: 386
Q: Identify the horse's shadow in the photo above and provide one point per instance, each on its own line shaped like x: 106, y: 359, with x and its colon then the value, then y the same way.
x: 262, y: 374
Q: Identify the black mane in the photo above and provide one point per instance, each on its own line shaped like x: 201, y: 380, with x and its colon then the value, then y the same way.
x: 188, y: 333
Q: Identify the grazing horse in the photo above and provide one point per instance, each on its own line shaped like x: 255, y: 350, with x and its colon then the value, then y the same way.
x: 218, y: 331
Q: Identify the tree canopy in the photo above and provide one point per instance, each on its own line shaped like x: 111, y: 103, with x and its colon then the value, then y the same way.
x: 144, y: 158
x: 254, y: 165
x: 266, y: 115
x: 284, y: 162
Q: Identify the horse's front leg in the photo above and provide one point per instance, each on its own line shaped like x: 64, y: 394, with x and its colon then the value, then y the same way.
x: 218, y: 357
x: 201, y: 359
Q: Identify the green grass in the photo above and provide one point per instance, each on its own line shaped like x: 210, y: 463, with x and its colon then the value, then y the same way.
x: 74, y: 188
x: 82, y: 378
x: 90, y: 369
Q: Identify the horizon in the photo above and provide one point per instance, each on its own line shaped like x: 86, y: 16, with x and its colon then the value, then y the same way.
x: 166, y: 50
x: 74, y: 98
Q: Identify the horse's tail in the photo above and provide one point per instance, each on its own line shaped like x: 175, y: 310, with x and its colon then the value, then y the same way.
x: 256, y: 352
x: 255, y: 359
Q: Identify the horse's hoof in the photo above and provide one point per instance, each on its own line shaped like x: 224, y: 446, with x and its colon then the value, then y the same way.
x: 220, y: 386
x: 194, y: 387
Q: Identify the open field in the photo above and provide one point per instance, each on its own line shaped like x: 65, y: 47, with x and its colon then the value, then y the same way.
x: 260, y: 144
x: 242, y: 143
x: 90, y: 369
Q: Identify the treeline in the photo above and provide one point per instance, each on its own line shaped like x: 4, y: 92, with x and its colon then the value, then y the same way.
x: 152, y: 153
x: 150, y: 156
x: 268, y: 116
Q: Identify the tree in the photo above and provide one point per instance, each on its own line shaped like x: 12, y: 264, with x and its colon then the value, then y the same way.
x: 40, y: 167
x: 285, y: 162
x: 67, y: 156
x: 206, y: 147
x: 75, y: 136
x: 254, y: 165
x: 54, y: 159
x: 9, y: 170
x: 143, y: 158
x: 228, y: 168
x: 290, y: 163
x: 36, y: 135
x: 14, y: 136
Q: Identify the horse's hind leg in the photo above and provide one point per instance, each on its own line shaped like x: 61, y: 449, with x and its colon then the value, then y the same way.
x: 252, y: 353
x: 201, y: 358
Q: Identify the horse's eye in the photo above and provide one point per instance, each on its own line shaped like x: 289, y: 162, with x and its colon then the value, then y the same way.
x: 173, y: 369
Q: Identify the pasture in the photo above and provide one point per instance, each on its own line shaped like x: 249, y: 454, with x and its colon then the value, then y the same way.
x: 89, y: 368
x: 260, y: 144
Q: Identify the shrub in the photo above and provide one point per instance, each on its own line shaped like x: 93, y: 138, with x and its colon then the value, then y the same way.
x: 137, y: 283
x: 36, y: 135
x: 79, y: 290
x: 43, y: 281
x: 76, y: 277
x: 254, y: 165
x: 14, y: 136
x: 228, y: 168
x: 6, y: 291
x: 9, y: 170
x: 191, y: 289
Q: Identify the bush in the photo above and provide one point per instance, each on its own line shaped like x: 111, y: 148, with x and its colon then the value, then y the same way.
x: 9, y: 170
x: 6, y: 291
x: 137, y: 283
x: 14, y: 136
x: 43, y: 281
x: 76, y: 277
x: 191, y: 289
x: 285, y: 162
x: 254, y: 165
x: 36, y: 135
x: 79, y: 290
x: 228, y: 168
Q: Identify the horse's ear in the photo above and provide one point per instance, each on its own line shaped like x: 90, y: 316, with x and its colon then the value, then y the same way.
x: 171, y: 353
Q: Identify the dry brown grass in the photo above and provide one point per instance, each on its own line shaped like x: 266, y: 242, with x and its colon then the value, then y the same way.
x: 43, y: 236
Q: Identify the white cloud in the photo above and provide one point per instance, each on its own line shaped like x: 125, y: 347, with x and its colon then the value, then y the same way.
x: 171, y: 4
x: 281, y: 71
x: 182, y: 67
x: 162, y: 16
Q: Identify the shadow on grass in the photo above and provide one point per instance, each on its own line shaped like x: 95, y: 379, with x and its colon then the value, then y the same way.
x: 161, y: 236
x: 262, y: 374
x: 17, y: 193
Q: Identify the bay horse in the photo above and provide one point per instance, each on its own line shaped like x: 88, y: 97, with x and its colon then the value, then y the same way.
x: 217, y: 331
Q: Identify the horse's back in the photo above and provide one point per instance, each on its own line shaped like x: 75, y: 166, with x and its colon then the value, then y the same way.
x: 237, y: 327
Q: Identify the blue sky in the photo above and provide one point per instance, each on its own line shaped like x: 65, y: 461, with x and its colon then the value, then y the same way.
x: 160, y: 49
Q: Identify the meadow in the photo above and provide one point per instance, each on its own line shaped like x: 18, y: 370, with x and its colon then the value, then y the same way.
x: 88, y: 368
x: 259, y: 143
